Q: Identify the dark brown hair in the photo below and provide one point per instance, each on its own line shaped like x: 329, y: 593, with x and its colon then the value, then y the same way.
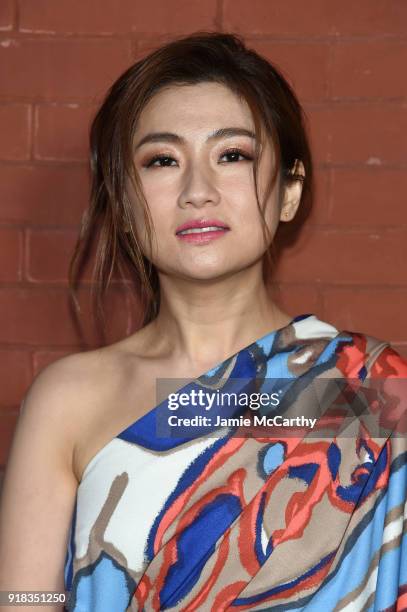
x: 200, y: 57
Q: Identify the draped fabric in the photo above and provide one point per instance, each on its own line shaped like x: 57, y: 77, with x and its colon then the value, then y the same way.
x: 314, y: 521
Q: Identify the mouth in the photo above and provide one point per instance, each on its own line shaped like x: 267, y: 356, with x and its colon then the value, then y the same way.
x: 202, y: 235
x: 202, y: 231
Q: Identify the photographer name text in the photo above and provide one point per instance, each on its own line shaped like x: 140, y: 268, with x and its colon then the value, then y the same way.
x: 241, y: 421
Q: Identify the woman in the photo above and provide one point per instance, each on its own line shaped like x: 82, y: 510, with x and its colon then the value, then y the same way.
x: 198, y: 153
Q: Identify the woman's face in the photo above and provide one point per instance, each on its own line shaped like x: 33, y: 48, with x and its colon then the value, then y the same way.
x: 189, y: 173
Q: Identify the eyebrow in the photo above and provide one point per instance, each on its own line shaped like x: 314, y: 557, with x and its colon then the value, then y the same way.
x: 171, y: 137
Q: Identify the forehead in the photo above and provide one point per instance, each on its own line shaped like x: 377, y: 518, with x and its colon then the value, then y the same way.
x: 200, y: 105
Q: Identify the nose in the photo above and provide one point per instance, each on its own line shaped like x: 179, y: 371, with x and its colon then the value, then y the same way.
x: 198, y: 187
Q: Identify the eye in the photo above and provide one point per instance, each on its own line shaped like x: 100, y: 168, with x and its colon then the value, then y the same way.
x: 165, y: 159
x: 235, y: 154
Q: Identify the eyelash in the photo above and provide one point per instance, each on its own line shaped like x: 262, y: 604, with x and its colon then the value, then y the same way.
x: 150, y: 163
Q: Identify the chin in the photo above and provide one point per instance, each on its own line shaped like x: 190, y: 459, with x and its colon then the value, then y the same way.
x: 202, y: 273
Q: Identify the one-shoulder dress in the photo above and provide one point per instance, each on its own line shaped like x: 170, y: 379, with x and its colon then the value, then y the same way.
x: 256, y: 519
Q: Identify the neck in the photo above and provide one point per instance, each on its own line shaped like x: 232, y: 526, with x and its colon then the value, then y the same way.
x: 204, y: 323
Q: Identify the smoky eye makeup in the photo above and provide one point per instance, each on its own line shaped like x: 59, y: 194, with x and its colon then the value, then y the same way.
x: 224, y: 153
x: 147, y: 160
x: 235, y: 154
x: 165, y: 159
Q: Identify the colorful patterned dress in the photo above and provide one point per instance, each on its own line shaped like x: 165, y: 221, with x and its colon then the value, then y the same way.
x: 269, y: 521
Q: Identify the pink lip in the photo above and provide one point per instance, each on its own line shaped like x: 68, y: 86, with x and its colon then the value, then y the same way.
x: 203, y: 238
x: 193, y: 223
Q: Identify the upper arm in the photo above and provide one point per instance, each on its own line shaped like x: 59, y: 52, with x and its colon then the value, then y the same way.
x: 39, y: 486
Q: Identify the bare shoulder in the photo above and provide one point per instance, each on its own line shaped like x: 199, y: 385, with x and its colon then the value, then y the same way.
x: 67, y: 408
x: 66, y: 382
x: 65, y: 395
x: 81, y: 377
x: 83, y: 399
x: 72, y: 376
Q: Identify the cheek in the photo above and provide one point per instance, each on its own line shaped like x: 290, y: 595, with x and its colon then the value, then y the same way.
x: 160, y: 197
x: 237, y: 190
x: 153, y: 192
x: 159, y: 200
x: 155, y: 180
x: 244, y: 206
x: 251, y: 223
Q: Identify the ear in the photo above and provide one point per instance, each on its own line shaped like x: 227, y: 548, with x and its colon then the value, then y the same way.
x: 292, y: 192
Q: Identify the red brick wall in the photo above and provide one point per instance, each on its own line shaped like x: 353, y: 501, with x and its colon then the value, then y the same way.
x: 347, y: 62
